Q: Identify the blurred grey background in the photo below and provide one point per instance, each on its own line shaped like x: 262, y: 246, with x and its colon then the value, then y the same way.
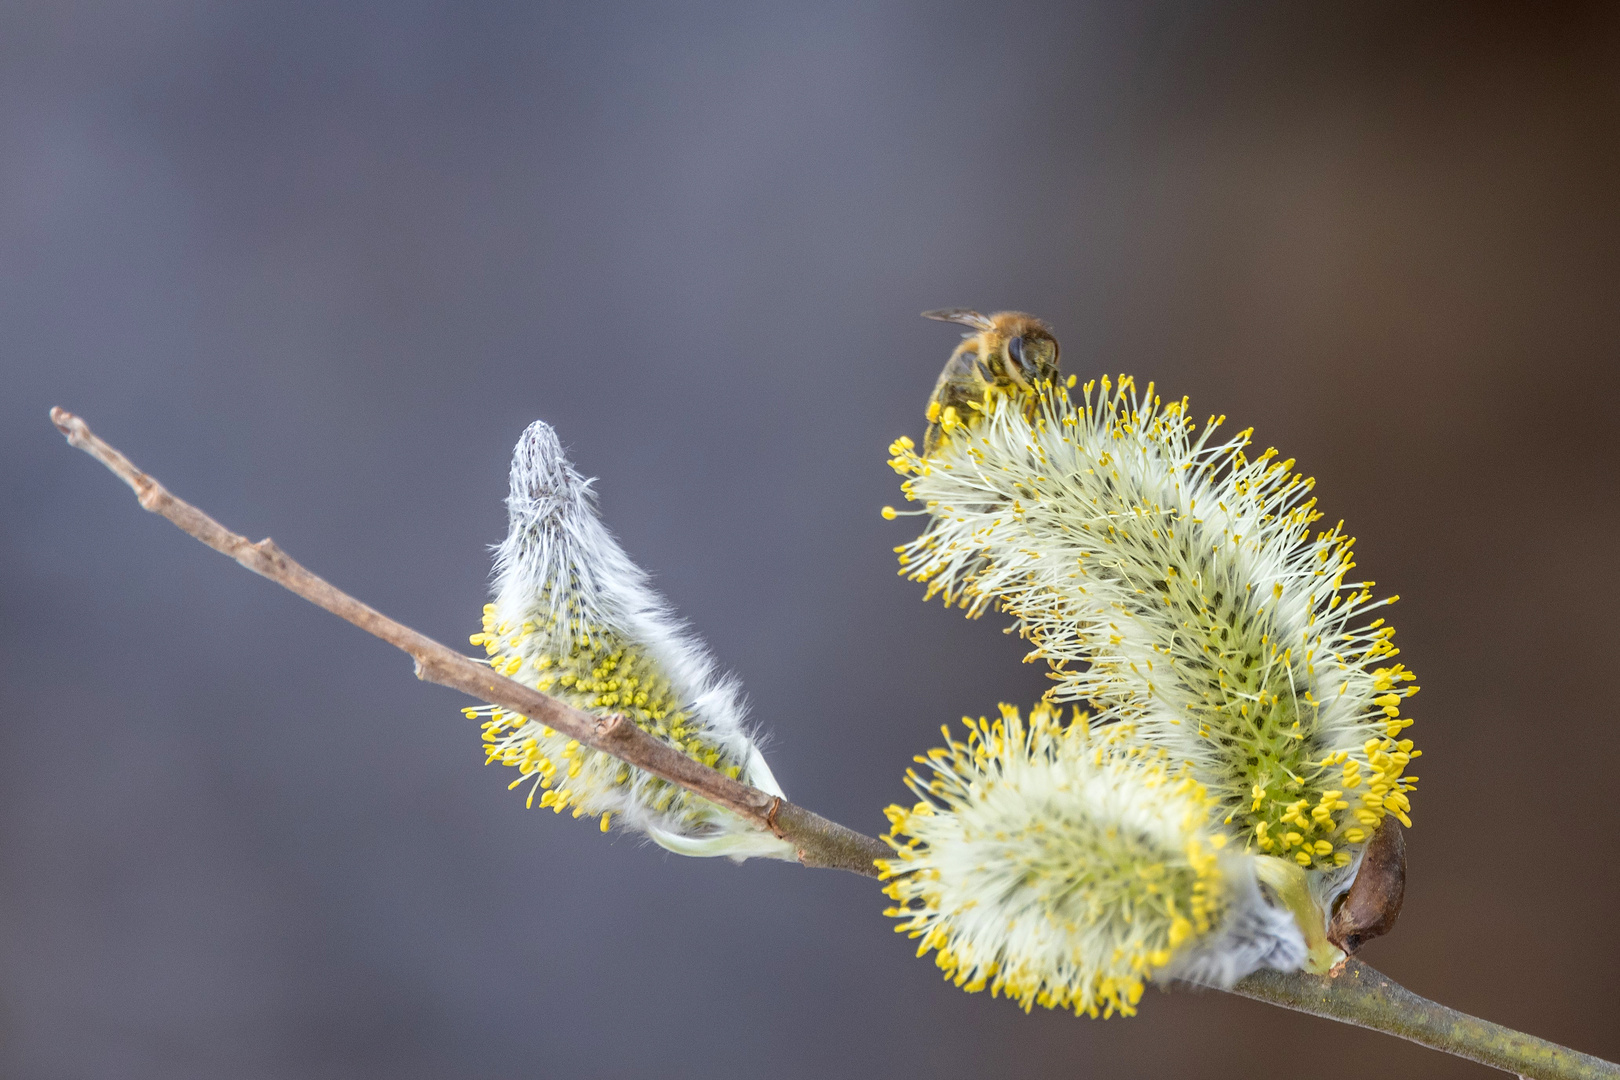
x: 315, y: 266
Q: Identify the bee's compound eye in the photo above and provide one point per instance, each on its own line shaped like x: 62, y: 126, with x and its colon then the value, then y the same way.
x: 1015, y: 351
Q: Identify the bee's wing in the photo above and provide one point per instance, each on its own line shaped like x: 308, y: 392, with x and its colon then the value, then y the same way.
x: 961, y: 316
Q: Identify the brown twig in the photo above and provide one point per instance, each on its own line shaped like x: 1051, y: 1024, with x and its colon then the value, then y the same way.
x: 1355, y: 994
x: 819, y: 842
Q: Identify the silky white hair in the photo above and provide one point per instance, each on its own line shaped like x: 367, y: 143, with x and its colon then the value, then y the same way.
x: 1254, y: 935
x: 561, y: 573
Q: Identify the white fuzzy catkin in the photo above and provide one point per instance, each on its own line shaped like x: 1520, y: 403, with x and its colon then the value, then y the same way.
x: 1175, y: 586
x: 574, y: 617
x: 1067, y: 868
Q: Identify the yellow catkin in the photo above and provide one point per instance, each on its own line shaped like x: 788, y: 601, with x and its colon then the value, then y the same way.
x: 1174, y: 582
x: 1057, y: 868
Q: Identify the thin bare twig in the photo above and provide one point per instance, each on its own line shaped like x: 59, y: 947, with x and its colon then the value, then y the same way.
x: 1355, y: 994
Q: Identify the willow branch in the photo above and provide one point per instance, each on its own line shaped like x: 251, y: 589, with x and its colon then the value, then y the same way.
x: 1355, y: 994
x: 1359, y: 995
x: 819, y: 842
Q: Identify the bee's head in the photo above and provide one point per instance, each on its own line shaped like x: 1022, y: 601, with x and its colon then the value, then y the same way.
x: 1029, y: 349
x: 1015, y: 348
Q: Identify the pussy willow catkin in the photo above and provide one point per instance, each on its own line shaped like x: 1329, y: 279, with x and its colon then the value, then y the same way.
x: 575, y: 618
x: 1067, y: 868
x: 1173, y: 582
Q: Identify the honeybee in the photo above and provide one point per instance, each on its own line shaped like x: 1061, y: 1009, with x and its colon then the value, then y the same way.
x: 1009, y: 352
